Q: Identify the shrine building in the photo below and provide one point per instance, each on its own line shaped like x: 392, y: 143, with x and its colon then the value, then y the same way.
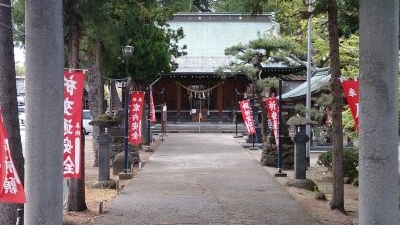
x: 195, y: 89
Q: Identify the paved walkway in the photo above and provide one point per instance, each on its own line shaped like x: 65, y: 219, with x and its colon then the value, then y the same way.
x: 204, y: 179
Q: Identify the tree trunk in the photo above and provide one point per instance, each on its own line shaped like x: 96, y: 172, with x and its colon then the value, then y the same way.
x: 44, y: 112
x: 8, y: 103
x: 378, y: 117
x: 96, y: 92
x: 337, y: 133
x: 76, y: 187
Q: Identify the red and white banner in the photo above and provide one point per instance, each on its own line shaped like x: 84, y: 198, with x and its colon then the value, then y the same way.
x: 351, y: 91
x: 73, y: 92
x: 11, y: 188
x: 152, y: 109
x: 247, y: 114
x: 135, y: 117
x: 272, y: 105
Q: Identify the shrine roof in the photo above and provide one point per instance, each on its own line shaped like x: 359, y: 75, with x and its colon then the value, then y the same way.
x: 318, y: 79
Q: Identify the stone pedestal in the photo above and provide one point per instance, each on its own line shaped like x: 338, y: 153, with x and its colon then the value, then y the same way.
x: 300, y: 162
x: 298, y: 130
x: 104, y: 141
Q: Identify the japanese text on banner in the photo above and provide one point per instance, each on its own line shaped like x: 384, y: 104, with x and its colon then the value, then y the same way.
x: 247, y: 114
x: 271, y: 105
x: 351, y: 90
x: 135, y: 117
x: 11, y: 189
x: 73, y: 92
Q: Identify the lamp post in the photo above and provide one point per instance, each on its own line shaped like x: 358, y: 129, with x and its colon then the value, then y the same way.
x: 308, y: 96
x: 127, y: 52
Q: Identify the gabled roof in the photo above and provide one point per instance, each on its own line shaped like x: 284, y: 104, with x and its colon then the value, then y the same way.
x: 319, y: 79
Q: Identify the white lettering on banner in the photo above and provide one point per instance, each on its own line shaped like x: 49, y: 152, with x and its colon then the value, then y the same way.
x: 9, y: 165
x: 136, y: 107
x: 10, y: 185
x: 69, y: 166
x: 6, y: 146
x: 352, y: 93
x: 11, y: 189
x: 274, y: 116
x: 357, y: 109
x: 135, y: 117
x: 135, y: 125
x: 78, y: 129
x: 67, y: 127
x: 67, y: 106
x: 68, y: 145
x: 70, y: 85
x: 246, y: 106
x: 135, y: 135
x: 272, y: 105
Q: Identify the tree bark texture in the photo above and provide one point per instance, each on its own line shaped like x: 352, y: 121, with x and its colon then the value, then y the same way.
x: 337, y: 133
x: 8, y: 103
x: 378, y: 117
x: 44, y: 112
x: 76, y: 187
x: 96, y: 91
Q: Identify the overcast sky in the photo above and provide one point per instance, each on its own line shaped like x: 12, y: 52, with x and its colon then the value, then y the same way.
x: 19, y: 55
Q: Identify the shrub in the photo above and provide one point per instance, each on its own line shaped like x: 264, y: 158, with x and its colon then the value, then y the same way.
x: 350, y: 162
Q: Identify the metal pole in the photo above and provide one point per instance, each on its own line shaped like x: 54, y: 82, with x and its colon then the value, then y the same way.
x: 126, y: 147
x: 280, y: 127
x: 308, y: 96
x: 148, y: 117
x: 254, y: 115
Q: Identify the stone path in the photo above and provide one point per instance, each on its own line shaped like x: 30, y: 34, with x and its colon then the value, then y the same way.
x: 204, y: 179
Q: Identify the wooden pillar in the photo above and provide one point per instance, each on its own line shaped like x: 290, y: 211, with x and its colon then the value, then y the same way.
x: 220, y: 97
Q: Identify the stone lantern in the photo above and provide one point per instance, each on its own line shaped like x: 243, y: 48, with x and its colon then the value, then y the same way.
x: 104, y: 122
x: 297, y: 126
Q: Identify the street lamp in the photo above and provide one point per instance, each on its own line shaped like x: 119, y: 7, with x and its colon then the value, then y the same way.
x: 127, y: 52
x: 308, y: 96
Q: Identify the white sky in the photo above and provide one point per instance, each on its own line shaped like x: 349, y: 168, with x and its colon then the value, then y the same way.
x: 19, y: 54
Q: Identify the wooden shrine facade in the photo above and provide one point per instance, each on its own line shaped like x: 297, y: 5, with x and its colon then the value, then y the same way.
x: 190, y: 96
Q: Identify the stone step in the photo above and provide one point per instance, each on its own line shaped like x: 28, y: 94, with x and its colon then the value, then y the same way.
x: 200, y: 128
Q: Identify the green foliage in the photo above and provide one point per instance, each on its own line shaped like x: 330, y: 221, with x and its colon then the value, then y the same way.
x: 187, y: 5
x: 18, y: 19
x: 348, y: 124
x: 139, y: 24
x: 325, y: 159
x: 268, y: 82
x: 350, y: 56
x: 19, y: 70
x: 350, y: 162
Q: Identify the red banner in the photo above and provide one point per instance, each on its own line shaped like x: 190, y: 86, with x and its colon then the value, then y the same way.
x: 272, y: 105
x: 152, y: 110
x: 11, y: 188
x: 247, y: 114
x: 351, y: 91
x: 73, y: 93
x: 135, y: 117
